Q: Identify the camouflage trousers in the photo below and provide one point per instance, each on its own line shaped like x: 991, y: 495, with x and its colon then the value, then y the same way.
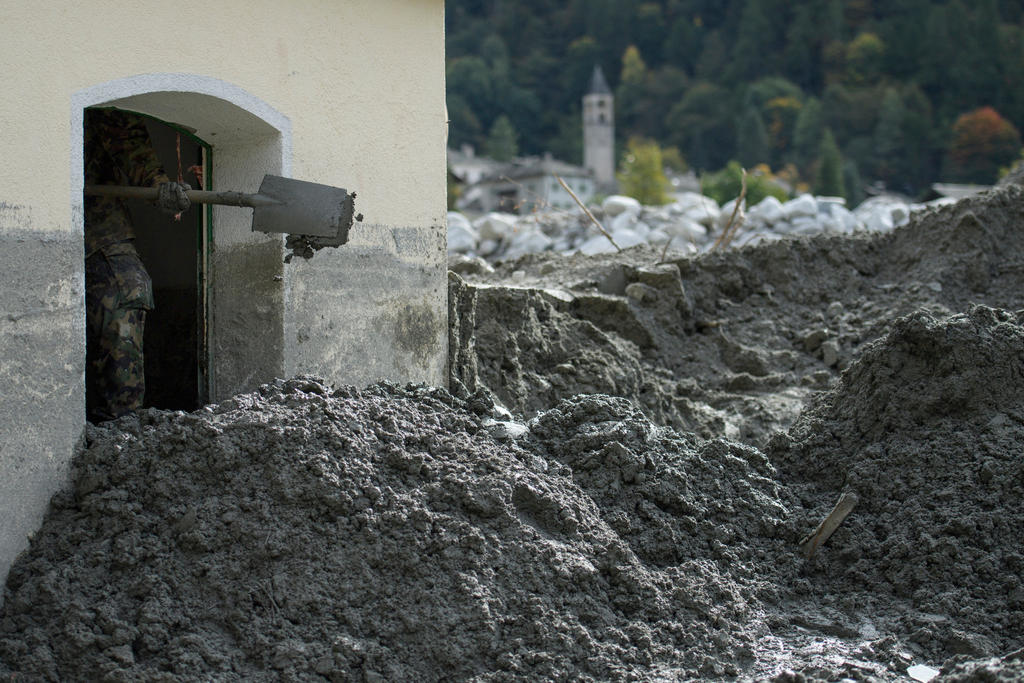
x: 118, y: 292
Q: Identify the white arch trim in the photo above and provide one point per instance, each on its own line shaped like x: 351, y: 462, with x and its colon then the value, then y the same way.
x: 204, y: 103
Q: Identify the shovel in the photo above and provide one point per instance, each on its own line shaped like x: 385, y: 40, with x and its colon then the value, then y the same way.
x: 313, y: 216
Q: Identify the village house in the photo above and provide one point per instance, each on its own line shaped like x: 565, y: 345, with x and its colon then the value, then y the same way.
x: 529, y: 184
x: 347, y: 94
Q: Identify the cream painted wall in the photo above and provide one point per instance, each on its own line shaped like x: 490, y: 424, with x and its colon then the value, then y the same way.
x: 344, y: 92
x: 361, y: 80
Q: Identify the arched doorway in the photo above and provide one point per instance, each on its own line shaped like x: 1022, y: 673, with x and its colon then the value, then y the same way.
x: 235, y: 277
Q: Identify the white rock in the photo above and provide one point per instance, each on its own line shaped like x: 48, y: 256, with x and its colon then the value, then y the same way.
x: 642, y: 228
x: 828, y: 204
x: 782, y: 227
x: 708, y: 217
x: 688, y: 230
x: 462, y: 239
x: 627, y: 238
x: 658, y: 237
x: 687, y: 200
x: 922, y: 672
x: 495, y: 226
x: 848, y: 223
x: 531, y: 242
x: 488, y: 247
x: 879, y: 220
x: 806, y: 225
x: 883, y: 213
x: 768, y: 211
x: 617, y: 204
x: 456, y: 218
x: 830, y: 224
x: 802, y: 206
x: 622, y: 221
x: 598, y: 244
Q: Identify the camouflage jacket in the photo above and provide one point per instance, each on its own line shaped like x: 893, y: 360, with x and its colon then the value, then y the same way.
x: 118, y: 151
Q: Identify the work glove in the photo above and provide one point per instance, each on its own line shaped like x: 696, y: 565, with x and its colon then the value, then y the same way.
x: 171, y: 197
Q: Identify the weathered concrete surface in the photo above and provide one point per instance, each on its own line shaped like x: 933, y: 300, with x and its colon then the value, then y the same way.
x: 42, y: 361
x: 375, y: 308
x: 247, y: 299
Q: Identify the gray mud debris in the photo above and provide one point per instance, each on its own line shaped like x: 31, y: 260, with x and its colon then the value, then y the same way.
x: 385, y: 535
x: 605, y: 531
x: 730, y: 343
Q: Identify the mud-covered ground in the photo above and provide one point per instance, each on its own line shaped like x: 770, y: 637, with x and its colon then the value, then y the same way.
x: 677, y: 428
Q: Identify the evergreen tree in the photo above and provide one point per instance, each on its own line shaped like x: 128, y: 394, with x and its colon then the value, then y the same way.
x: 632, y: 90
x: 752, y: 145
x: 853, y: 184
x: 752, y: 49
x: 502, y: 144
x: 922, y: 159
x: 683, y: 44
x: 700, y: 125
x: 464, y: 126
x: 829, y: 180
x: 810, y: 126
x: 713, y: 58
x: 890, y: 147
x: 801, y: 55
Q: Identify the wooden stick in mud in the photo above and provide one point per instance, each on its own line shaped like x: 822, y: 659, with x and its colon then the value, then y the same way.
x: 831, y: 522
x: 587, y: 211
x: 733, y: 225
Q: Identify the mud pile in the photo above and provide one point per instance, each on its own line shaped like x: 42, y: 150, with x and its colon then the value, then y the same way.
x: 606, y: 530
x: 730, y: 343
x: 926, y: 428
x: 394, y: 535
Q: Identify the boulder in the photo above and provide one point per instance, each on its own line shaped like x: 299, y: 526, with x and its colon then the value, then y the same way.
x: 462, y: 238
x: 659, y: 237
x: 848, y: 223
x: 598, y: 244
x: 622, y: 221
x: 628, y: 238
x: 806, y: 225
x: 527, y: 242
x: 689, y: 230
x: 617, y: 204
x: 766, y: 212
x: 495, y: 226
x: 803, y: 206
x: 883, y: 213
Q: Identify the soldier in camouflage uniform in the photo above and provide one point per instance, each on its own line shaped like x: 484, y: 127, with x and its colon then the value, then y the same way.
x: 118, y: 290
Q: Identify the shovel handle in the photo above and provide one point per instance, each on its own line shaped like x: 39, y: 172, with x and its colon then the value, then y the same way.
x: 194, y: 196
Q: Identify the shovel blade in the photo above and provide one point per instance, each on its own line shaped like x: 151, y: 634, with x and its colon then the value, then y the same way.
x: 304, y: 208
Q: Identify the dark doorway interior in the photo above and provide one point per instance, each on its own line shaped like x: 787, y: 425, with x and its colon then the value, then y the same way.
x: 173, y: 252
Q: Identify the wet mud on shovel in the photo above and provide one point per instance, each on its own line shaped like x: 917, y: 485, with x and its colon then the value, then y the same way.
x: 311, y: 215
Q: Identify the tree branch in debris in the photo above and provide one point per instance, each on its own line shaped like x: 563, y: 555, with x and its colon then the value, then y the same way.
x: 587, y: 211
x: 733, y: 226
x: 832, y: 520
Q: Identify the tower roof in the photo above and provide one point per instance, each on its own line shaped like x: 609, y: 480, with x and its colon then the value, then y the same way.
x: 598, y: 85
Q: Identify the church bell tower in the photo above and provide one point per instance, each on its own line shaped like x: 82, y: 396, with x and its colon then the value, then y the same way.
x: 599, y: 132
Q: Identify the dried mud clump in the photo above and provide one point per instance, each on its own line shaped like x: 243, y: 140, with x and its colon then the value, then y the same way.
x: 392, y: 534
x: 926, y: 428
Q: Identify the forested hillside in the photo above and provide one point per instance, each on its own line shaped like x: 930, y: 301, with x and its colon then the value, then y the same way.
x: 910, y: 91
